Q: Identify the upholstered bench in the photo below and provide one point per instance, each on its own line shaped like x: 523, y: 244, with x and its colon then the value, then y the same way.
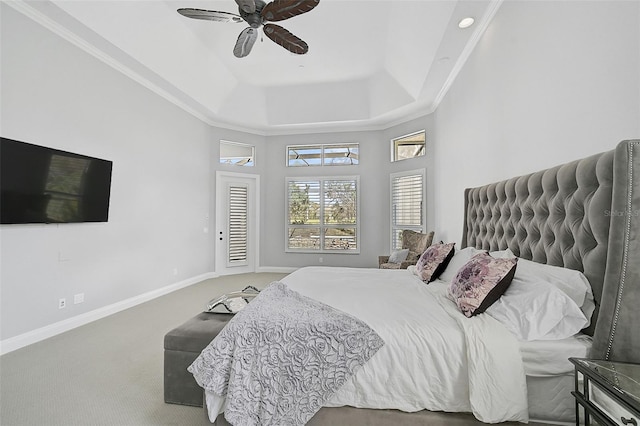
x: 182, y: 345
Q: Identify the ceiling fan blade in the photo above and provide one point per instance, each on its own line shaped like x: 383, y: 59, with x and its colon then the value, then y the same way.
x: 285, y: 39
x: 245, y: 42
x: 279, y: 10
x: 210, y: 15
x: 248, y: 6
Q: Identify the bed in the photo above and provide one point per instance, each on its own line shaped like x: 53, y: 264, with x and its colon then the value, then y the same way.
x: 582, y: 217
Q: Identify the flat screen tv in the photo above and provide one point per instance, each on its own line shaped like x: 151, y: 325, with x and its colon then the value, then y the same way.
x: 45, y: 185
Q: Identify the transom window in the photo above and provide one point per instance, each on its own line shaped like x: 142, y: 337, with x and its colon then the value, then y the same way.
x: 237, y: 154
x: 408, y: 146
x: 322, y: 215
x: 346, y: 154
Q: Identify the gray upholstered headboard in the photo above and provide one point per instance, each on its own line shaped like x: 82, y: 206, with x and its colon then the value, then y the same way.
x: 583, y: 215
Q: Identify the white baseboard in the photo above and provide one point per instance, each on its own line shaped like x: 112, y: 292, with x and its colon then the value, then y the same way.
x: 30, y: 337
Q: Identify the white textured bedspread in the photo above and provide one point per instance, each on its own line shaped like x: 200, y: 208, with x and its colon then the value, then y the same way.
x: 279, y: 359
x: 434, y: 357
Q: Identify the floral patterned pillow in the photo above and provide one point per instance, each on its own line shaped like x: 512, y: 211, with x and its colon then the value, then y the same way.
x: 480, y: 282
x: 434, y: 261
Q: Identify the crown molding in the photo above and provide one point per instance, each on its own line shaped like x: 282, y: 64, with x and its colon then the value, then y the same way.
x: 379, y: 124
x: 494, y: 5
x: 37, y: 16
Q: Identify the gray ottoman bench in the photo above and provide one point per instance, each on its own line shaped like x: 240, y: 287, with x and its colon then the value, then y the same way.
x: 182, y: 345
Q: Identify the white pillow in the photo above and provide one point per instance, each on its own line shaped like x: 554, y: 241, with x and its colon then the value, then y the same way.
x: 537, y: 311
x: 502, y: 254
x: 399, y: 256
x: 573, y: 283
x: 459, y: 259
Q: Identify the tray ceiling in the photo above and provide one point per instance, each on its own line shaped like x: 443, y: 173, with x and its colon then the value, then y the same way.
x: 371, y: 64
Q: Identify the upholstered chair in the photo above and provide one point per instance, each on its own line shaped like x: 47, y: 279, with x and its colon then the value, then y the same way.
x: 416, y: 242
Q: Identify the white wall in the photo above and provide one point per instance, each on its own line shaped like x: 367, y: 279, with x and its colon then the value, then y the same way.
x: 56, y: 95
x: 549, y: 82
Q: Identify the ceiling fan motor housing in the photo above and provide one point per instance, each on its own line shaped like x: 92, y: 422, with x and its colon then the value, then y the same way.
x: 253, y: 19
x: 257, y: 13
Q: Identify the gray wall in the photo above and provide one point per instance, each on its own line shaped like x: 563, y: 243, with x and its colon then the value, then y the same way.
x: 165, y: 161
x: 549, y: 82
x: 55, y: 95
x: 374, y: 169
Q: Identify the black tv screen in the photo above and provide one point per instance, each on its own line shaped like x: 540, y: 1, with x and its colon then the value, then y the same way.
x: 45, y: 185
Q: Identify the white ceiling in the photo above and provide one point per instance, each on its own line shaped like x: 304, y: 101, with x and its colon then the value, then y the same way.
x: 371, y: 63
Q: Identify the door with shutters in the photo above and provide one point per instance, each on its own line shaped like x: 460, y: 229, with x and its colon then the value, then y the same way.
x: 236, y: 223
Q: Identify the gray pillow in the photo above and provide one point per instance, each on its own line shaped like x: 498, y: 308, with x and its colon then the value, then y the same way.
x: 398, y: 256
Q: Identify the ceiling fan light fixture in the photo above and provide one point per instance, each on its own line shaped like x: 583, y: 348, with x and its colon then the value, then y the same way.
x: 466, y: 22
x: 258, y: 14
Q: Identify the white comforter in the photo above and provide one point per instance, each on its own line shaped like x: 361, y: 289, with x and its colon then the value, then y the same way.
x: 434, y: 357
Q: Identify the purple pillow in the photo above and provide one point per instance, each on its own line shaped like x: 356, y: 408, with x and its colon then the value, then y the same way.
x: 480, y: 282
x: 434, y: 261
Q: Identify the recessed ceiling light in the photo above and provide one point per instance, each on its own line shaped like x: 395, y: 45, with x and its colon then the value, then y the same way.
x: 466, y: 23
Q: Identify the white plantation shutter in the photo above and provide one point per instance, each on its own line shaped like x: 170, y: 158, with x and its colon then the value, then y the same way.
x: 238, y: 211
x: 407, y: 197
x: 322, y: 215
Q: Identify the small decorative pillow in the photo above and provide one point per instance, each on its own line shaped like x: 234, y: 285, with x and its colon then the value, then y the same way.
x: 480, y: 282
x: 398, y: 256
x: 434, y: 261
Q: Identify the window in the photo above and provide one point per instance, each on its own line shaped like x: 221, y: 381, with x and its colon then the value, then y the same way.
x: 238, y: 154
x: 407, y: 204
x: 322, y: 215
x: 346, y: 154
x: 408, y: 146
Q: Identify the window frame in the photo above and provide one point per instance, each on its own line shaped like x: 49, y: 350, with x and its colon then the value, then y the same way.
x: 322, y: 224
x: 250, y: 163
x: 322, y: 147
x: 394, y: 141
x: 423, y: 214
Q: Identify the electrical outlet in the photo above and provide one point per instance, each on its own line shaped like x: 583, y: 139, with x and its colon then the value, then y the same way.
x: 62, y: 303
x: 78, y: 298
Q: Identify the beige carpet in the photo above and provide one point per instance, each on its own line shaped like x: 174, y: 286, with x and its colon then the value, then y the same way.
x: 109, y: 372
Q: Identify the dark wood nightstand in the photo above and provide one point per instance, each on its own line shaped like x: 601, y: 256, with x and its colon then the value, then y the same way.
x: 607, y: 393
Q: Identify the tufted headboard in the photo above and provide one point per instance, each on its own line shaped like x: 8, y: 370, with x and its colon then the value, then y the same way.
x: 583, y: 215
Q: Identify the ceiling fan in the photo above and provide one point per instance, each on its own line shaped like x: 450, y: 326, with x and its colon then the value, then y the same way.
x: 257, y: 13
